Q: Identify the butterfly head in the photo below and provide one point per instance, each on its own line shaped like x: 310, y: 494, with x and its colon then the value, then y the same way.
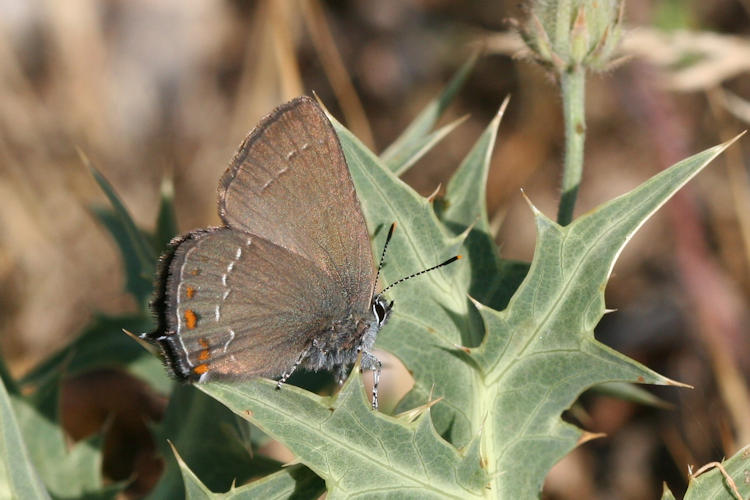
x: 381, y: 310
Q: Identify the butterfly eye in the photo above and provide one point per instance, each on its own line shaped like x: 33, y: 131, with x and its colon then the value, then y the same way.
x: 381, y: 310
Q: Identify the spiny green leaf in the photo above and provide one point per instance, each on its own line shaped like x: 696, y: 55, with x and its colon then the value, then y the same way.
x: 194, y: 488
x: 413, y: 151
x: 210, y: 438
x: 291, y: 483
x: 666, y: 493
x: 465, y: 201
x: 630, y: 392
x: 515, y: 385
x: 357, y: 451
x: 431, y: 313
x: 18, y: 477
x: 540, y: 352
x: 464, y: 208
x: 713, y: 485
x: 416, y: 140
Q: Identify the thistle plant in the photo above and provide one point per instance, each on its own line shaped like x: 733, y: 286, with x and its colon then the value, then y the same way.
x: 571, y: 38
x: 498, y: 349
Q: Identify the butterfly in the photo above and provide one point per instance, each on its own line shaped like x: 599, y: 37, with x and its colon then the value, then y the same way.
x: 288, y: 280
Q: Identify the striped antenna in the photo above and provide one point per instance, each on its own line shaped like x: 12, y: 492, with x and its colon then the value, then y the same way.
x: 449, y: 261
x: 382, y: 257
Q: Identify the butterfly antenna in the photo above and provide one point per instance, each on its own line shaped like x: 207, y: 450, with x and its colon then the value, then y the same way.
x: 449, y: 261
x: 382, y: 256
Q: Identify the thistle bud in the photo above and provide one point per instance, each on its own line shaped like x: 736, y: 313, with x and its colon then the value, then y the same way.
x: 563, y: 34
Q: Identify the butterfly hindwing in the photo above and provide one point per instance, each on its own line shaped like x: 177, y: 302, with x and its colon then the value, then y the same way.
x: 238, y: 308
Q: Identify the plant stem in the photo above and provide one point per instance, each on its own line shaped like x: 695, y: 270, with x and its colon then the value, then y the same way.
x: 573, y: 85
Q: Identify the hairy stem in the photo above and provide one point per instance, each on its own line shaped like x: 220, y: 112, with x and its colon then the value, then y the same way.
x: 573, y: 85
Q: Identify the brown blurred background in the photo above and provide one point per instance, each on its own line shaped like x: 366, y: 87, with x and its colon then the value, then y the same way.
x: 150, y: 89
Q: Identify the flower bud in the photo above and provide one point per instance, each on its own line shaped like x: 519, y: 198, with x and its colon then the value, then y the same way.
x: 563, y: 34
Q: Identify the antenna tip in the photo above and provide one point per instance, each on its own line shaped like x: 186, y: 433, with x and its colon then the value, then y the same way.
x: 459, y: 257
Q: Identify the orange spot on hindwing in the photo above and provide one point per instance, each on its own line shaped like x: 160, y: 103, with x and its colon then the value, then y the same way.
x: 205, y: 352
x: 190, y: 292
x: 204, y: 355
x: 191, y: 319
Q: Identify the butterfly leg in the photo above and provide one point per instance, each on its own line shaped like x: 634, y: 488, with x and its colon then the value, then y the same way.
x: 341, y: 374
x: 374, y: 364
x: 285, y: 376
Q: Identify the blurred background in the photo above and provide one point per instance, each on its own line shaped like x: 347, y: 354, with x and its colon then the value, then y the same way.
x: 152, y: 89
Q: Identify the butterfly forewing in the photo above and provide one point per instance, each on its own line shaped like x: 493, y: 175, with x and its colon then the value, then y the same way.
x: 289, y: 183
x: 240, y: 306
